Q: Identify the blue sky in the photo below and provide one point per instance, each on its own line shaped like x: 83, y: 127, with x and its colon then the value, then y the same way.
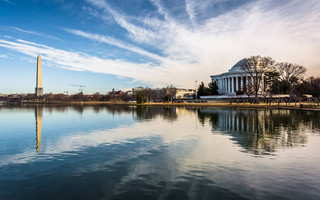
x: 107, y: 44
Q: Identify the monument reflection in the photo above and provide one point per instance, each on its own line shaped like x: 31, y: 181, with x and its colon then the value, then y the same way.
x: 38, y: 115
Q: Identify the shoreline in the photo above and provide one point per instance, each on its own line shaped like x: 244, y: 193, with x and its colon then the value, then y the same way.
x: 293, y: 106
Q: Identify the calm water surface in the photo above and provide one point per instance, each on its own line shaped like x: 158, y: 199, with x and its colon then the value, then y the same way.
x: 158, y: 153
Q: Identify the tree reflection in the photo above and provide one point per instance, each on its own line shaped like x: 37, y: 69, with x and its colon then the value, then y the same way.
x: 261, y: 131
x: 148, y: 113
x: 140, y: 113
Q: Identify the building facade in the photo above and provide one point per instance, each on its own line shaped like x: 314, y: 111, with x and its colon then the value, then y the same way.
x: 236, y: 79
x: 184, y: 93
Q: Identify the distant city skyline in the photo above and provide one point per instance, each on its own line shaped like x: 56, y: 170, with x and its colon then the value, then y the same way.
x: 106, y: 44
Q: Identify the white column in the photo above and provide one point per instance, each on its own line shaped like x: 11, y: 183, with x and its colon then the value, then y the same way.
x: 231, y: 83
x: 227, y: 79
x: 233, y: 88
x: 226, y: 84
x: 241, y: 83
x: 237, y: 83
x: 247, y: 80
x: 221, y: 80
x: 234, y: 84
x: 222, y: 85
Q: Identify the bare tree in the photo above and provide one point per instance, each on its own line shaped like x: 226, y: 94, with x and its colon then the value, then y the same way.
x: 249, y: 91
x: 272, y: 79
x: 97, y: 96
x: 171, y: 91
x: 256, y: 66
x: 315, y: 86
x: 162, y: 94
x: 291, y: 74
x: 149, y: 94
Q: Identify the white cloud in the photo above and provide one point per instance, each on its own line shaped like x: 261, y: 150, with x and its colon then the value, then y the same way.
x: 3, y: 56
x: 190, y: 11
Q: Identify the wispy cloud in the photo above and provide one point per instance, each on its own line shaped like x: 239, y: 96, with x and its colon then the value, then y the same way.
x: 138, y: 33
x: 162, y: 10
x: 16, y: 29
x: 10, y: 2
x: 190, y: 11
x: 115, y: 42
x: 3, y: 56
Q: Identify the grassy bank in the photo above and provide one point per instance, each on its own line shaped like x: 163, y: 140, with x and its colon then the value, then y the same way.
x: 296, y: 106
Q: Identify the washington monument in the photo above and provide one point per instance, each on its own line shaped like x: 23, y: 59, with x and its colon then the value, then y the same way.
x: 39, y: 89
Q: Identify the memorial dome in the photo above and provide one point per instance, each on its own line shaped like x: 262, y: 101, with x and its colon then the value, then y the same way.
x: 237, y: 66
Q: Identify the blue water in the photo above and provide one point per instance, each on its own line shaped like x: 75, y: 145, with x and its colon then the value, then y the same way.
x: 122, y: 152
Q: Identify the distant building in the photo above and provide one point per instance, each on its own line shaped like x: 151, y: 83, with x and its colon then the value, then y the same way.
x: 117, y: 93
x: 184, y: 93
x: 134, y: 91
x: 130, y: 92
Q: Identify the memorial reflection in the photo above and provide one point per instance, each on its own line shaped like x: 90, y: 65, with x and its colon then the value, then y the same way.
x: 261, y: 131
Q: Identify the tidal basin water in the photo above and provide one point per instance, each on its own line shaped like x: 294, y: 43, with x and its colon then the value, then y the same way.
x: 122, y: 152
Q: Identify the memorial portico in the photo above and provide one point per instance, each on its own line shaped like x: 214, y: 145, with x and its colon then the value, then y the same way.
x: 236, y: 79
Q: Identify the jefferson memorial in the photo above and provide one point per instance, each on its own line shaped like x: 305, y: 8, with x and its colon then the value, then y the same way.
x: 236, y: 79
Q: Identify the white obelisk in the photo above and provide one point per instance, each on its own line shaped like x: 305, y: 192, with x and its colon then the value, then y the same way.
x: 39, y: 89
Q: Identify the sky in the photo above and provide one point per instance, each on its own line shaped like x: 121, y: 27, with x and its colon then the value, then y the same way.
x: 121, y: 44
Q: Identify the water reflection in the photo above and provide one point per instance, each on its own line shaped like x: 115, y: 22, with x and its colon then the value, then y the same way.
x: 129, y: 152
x: 261, y: 131
x: 258, y: 131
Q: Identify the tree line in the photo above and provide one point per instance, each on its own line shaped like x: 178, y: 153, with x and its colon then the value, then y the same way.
x: 143, y: 95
